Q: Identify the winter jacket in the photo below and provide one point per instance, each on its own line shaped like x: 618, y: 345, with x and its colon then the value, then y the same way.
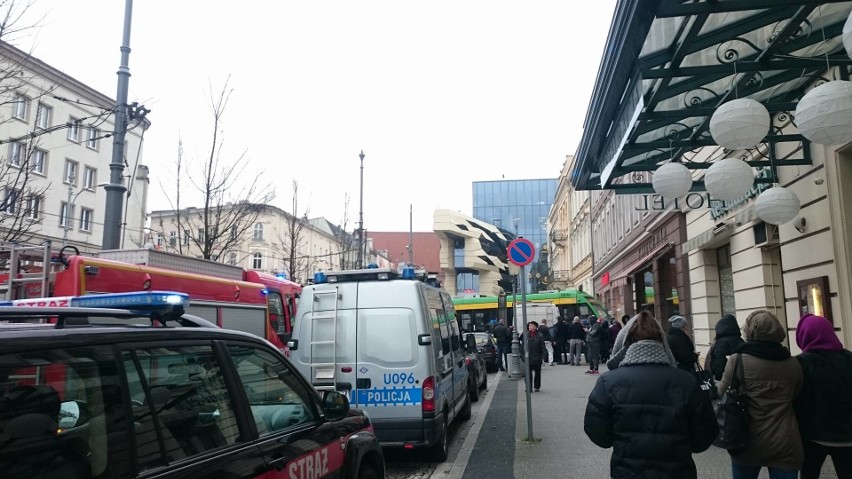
x: 728, y: 337
x: 822, y: 409
x: 594, y: 334
x: 652, y: 414
x: 770, y: 386
x: 613, y: 331
x: 575, y: 331
x: 501, y: 334
x: 682, y: 349
x: 538, y: 351
x: 562, y: 331
x: 544, y: 331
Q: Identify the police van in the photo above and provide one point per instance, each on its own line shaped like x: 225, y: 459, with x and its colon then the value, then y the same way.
x: 392, y: 344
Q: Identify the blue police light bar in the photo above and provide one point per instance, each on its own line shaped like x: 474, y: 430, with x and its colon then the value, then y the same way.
x: 319, y: 278
x: 141, y: 301
x: 408, y: 273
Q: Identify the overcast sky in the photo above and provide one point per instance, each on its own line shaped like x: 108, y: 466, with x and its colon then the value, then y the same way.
x: 437, y: 94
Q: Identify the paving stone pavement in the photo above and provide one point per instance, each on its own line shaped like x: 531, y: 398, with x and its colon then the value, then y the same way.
x: 564, y: 451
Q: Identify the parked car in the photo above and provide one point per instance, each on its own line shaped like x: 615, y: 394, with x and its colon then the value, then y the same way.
x: 486, y: 346
x: 80, y: 398
x: 477, y: 375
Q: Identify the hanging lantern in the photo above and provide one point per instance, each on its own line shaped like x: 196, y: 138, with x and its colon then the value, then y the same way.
x: 777, y: 205
x: 728, y: 179
x: 847, y: 35
x: 672, y: 180
x: 740, y: 123
x: 824, y: 114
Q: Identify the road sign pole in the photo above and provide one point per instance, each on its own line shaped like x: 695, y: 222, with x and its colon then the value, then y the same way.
x: 523, y: 284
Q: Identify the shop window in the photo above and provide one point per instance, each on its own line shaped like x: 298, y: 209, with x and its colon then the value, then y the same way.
x: 726, y: 280
x: 814, y: 297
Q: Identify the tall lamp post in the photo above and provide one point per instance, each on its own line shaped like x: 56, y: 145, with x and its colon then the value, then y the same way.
x: 361, y: 216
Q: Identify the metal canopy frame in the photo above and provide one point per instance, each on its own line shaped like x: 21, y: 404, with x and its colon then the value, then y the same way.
x: 668, y: 65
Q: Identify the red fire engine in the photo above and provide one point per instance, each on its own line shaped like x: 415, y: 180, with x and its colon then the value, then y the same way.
x: 233, y: 298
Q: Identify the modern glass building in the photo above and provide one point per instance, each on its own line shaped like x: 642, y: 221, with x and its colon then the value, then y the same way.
x: 517, y: 206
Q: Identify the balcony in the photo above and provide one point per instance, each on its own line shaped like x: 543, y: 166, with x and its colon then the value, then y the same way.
x: 559, y: 235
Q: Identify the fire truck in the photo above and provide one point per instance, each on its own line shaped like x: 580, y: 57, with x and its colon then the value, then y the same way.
x: 229, y: 296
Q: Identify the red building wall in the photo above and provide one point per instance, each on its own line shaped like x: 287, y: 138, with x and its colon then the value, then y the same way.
x: 427, y: 249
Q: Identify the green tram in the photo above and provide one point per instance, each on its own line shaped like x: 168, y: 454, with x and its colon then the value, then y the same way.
x: 476, y: 314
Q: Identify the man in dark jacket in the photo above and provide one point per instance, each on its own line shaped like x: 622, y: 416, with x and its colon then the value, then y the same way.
x: 728, y: 337
x: 680, y: 344
x: 652, y: 414
x: 504, y: 344
x: 576, y: 336
x: 562, y: 338
x: 537, y: 353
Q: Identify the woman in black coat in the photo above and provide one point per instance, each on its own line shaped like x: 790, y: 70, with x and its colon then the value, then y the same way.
x: 652, y: 414
x: 680, y: 344
x: 728, y: 338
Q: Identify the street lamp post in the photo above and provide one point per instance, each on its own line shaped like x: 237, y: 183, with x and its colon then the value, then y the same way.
x: 361, y: 217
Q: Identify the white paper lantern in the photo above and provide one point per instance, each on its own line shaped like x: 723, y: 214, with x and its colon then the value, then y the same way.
x: 824, y: 115
x: 672, y: 180
x: 847, y: 35
x: 777, y: 205
x: 740, y: 123
x: 728, y: 179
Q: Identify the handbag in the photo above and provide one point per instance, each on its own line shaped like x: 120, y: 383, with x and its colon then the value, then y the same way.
x: 732, y: 413
x: 706, y: 382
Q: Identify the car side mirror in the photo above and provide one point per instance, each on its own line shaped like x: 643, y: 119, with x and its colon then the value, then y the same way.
x: 335, y: 406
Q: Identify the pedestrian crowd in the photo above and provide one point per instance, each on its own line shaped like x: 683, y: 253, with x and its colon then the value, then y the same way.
x: 651, y: 409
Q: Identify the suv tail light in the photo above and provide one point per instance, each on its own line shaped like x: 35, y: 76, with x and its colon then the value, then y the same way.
x: 428, y: 394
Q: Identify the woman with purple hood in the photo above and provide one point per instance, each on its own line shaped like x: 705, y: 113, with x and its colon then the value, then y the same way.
x: 823, y: 407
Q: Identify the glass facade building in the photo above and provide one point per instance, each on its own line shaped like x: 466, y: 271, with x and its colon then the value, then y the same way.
x: 522, y: 203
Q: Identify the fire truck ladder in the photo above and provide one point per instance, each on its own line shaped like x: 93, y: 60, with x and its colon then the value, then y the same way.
x: 324, y: 374
x: 18, y: 253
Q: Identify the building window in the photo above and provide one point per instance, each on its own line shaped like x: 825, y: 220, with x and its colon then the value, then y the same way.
x: 201, y: 235
x: 39, y: 163
x: 92, y: 138
x: 185, y: 238
x: 33, y: 210
x: 90, y: 178
x: 233, y: 233
x: 17, y: 152
x: 20, y: 107
x: 458, y: 252
x: 70, y: 174
x: 173, y: 238
x: 467, y: 282
x: 160, y: 241
x: 74, y: 129
x: 86, y: 219
x: 10, y: 201
x: 43, y: 114
x: 232, y: 259
x: 66, y: 212
x: 726, y: 280
x: 257, y: 260
x: 257, y: 235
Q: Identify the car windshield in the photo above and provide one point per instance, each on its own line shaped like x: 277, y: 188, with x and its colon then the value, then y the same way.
x: 481, y: 339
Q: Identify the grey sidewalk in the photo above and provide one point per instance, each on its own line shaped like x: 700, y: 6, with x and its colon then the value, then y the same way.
x: 564, y: 449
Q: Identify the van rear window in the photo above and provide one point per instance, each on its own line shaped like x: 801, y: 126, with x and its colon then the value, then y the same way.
x: 387, y: 336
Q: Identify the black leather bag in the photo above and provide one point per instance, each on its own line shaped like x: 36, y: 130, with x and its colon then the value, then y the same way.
x: 732, y: 413
x: 706, y: 382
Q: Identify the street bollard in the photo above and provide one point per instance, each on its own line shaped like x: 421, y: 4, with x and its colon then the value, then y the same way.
x: 515, y: 357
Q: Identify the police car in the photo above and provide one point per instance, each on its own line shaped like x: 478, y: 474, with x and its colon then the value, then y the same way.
x: 86, y: 391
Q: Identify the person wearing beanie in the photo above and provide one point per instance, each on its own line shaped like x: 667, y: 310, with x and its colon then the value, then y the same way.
x: 827, y: 371
x: 728, y: 337
x: 537, y: 353
x: 680, y: 344
x: 771, y: 380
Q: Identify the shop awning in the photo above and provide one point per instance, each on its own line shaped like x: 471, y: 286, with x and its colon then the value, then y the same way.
x: 667, y: 66
x: 624, y: 272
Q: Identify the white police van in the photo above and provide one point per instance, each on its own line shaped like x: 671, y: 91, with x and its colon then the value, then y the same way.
x: 391, y: 343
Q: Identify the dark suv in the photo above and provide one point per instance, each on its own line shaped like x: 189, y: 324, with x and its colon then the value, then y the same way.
x: 86, y: 400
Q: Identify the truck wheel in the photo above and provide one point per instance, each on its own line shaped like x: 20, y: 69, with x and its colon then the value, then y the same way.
x: 438, y: 452
x: 466, y: 410
x: 368, y: 472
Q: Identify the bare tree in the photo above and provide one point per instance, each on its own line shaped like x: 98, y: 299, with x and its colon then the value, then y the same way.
x: 346, y: 242
x: 291, y: 240
x: 230, y: 207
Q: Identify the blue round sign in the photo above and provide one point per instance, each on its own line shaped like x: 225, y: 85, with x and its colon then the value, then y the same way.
x: 521, y: 252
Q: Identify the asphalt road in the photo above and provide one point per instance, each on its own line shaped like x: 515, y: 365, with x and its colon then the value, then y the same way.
x: 401, y: 464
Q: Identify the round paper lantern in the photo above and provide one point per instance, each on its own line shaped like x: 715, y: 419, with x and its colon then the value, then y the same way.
x: 740, y: 123
x: 777, y: 205
x: 824, y: 115
x: 728, y: 179
x: 672, y: 180
x: 847, y: 35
